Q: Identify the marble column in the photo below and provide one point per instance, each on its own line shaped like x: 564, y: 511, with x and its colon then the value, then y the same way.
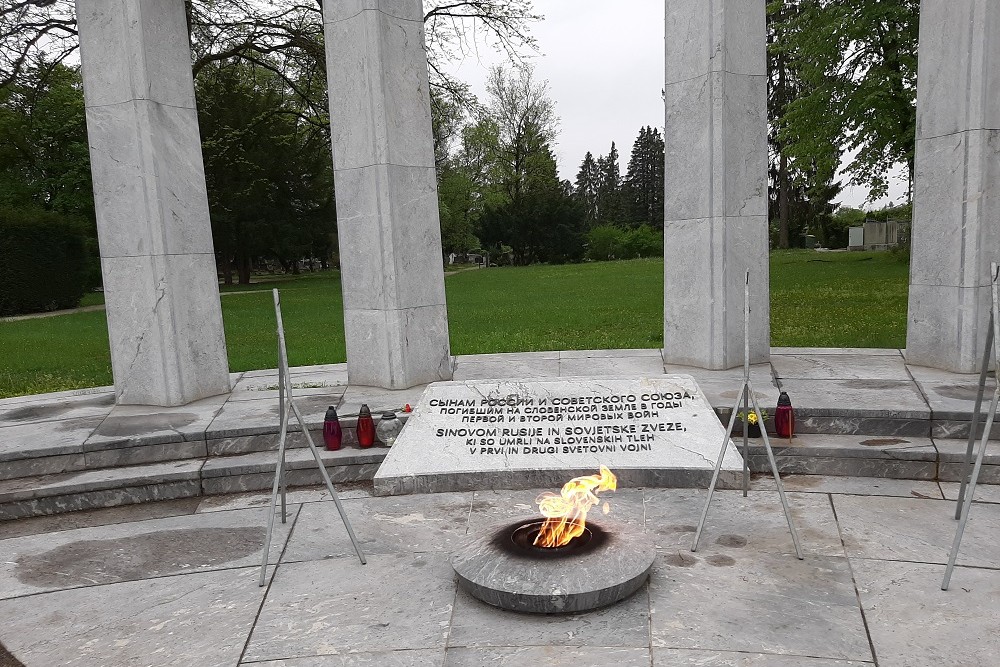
x: 956, y: 205
x: 715, y: 225
x: 160, y: 281
x: 395, y: 318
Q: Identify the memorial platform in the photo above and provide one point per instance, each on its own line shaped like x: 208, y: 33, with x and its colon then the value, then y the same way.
x: 859, y: 413
x: 867, y: 593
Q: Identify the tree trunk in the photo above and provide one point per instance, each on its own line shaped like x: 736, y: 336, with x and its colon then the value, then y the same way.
x: 243, y: 266
x: 783, y: 186
x: 227, y: 268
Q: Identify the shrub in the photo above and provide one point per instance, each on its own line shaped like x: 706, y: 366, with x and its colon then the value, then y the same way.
x: 643, y: 241
x: 604, y: 242
x: 610, y: 242
x: 43, y: 262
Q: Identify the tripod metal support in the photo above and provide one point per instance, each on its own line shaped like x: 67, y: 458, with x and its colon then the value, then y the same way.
x: 747, y: 397
x: 288, y: 407
x: 968, y: 490
x: 974, y: 426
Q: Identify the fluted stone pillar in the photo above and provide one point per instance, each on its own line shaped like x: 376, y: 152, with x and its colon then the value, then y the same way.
x: 395, y: 318
x: 956, y: 206
x: 715, y: 225
x: 160, y: 282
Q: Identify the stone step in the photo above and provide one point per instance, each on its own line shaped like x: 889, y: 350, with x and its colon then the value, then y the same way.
x: 111, y: 487
x: 833, y: 455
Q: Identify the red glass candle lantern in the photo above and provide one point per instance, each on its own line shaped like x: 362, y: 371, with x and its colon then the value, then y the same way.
x: 332, y: 433
x: 366, y: 427
x: 784, y: 417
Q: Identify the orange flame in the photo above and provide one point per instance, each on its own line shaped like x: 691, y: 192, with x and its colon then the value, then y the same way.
x: 566, y: 512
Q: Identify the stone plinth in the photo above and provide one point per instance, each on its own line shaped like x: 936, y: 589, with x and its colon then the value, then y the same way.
x: 715, y: 225
x: 613, y: 563
x: 956, y: 204
x: 395, y: 319
x: 160, y: 283
x: 506, y: 434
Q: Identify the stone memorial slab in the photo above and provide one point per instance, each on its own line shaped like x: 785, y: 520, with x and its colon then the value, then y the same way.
x: 518, y: 434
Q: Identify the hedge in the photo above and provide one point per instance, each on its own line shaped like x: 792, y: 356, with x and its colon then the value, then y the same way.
x: 43, y: 262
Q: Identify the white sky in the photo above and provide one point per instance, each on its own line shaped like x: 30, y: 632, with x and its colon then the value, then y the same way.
x: 604, y: 67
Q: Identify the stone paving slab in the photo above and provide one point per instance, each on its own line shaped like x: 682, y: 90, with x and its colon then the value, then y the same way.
x: 196, y: 619
x: 837, y: 351
x: 104, y: 516
x: 672, y: 517
x: 56, y: 395
x: 805, y: 366
x: 759, y: 604
x: 295, y: 459
x: 642, y: 366
x: 377, y: 400
x: 294, y: 496
x: 551, y: 355
x: 888, y: 398
x: 27, y: 488
x: 128, y: 494
x: 304, y: 383
x: 403, y: 658
x: 985, y: 493
x: 127, y: 552
x: 335, y: 606
x: 856, y: 486
x: 46, y: 408
x: 137, y: 425
x: 849, y: 446
x: 687, y: 658
x: 46, y: 439
x: 554, y: 656
x: 393, y: 525
x: 913, y: 623
x: 611, y: 354
x: 870, y: 467
x: 913, y: 529
x: 625, y: 624
x: 496, y: 370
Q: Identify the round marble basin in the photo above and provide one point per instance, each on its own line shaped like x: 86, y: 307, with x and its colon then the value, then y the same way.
x: 606, y: 564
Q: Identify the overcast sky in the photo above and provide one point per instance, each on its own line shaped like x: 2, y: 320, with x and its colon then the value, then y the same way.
x: 604, y: 67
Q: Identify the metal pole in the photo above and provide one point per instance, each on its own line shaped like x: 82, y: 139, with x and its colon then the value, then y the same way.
x: 777, y: 478
x: 990, y: 416
x: 967, y: 505
x: 305, y: 429
x: 718, y: 467
x: 973, y: 427
x: 329, y: 485
x: 274, y: 499
x: 746, y: 383
x: 281, y: 411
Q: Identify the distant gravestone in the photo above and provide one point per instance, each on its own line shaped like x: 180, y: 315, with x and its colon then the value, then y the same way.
x: 540, y: 433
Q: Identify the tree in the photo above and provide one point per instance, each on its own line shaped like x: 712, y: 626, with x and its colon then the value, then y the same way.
x: 586, y: 187
x: 269, y: 175
x: 525, y: 122
x: 642, y: 189
x: 289, y: 33
x: 44, y: 159
x: 857, y: 62
x: 609, y: 207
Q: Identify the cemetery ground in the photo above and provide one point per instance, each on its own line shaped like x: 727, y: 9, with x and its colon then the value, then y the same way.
x: 818, y: 299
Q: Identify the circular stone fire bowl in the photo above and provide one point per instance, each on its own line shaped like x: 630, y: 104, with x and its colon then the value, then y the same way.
x: 606, y: 564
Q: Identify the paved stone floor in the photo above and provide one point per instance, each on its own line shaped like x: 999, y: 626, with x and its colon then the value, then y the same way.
x: 175, y: 583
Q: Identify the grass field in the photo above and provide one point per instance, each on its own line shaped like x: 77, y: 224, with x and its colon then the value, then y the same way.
x: 817, y: 300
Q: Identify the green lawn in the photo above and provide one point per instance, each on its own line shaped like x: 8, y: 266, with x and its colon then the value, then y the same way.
x: 817, y: 300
